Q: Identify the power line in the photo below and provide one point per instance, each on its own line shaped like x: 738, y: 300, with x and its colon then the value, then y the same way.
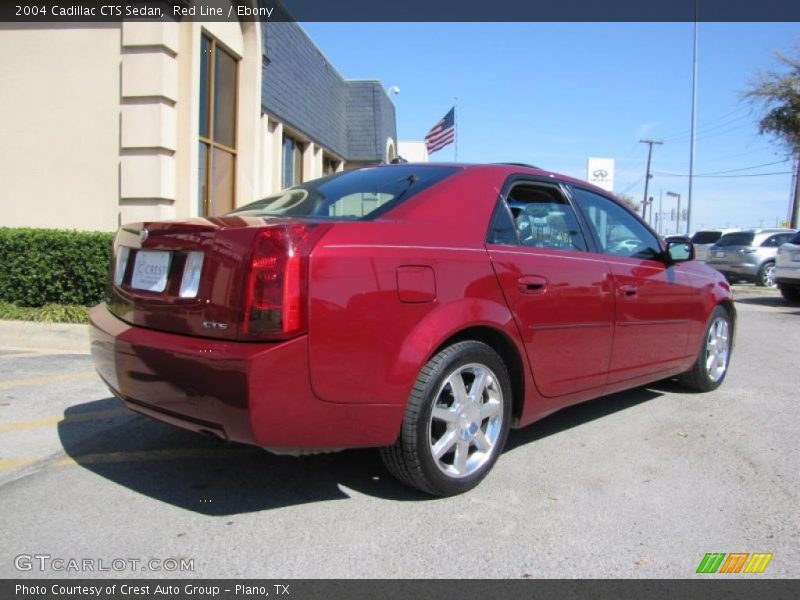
x: 631, y: 186
x: 712, y: 124
x: 662, y: 174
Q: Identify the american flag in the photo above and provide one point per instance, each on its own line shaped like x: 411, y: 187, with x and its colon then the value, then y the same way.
x: 443, y: 133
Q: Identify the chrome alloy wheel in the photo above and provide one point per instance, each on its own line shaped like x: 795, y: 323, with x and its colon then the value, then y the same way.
x: 718, y: 347
x: 466, y: 420
x: 768, y: 277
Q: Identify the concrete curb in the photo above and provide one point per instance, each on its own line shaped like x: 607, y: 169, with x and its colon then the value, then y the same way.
x: 32, y: 335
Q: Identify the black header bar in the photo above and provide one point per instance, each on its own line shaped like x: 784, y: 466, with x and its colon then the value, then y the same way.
x: 45, y: 11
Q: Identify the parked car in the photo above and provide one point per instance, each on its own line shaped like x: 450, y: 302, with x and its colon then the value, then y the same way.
x: 679, y: 239
x: 749, y: 255
x: 704, y: 239
x: 404, y: 307
x: 787, y: 269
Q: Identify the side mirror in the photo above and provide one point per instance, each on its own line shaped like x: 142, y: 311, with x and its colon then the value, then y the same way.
x: 680, y: 251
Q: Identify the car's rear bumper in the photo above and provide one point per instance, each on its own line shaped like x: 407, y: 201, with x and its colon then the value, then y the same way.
x: 787, y: 275
x: 256, y: 393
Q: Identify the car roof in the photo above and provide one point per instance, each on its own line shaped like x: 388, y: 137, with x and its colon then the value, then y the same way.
x: 509, y: 168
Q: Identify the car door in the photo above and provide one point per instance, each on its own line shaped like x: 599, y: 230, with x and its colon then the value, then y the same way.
x: 654, y: 301
x: 560, y: 295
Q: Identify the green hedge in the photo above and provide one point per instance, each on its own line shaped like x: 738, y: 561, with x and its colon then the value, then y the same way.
x: 51, y: 266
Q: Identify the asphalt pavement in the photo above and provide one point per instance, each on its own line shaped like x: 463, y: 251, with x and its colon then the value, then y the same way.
x: 638, y: 484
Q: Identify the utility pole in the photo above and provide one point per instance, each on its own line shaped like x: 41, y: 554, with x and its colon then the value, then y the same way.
x: 647, y: 174
x: 660, y: 198
x: 794, y: 216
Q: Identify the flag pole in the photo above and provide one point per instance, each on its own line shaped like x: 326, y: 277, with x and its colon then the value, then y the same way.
x: 455, y: 126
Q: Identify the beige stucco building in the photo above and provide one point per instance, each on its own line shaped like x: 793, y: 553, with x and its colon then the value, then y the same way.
x: 111, y: 123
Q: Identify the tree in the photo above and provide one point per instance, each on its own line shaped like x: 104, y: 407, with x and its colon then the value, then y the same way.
x: 777, y: 93
x: 627, y: 199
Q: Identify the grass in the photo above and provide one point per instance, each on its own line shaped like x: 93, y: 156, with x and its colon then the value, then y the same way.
x: 49, y: 313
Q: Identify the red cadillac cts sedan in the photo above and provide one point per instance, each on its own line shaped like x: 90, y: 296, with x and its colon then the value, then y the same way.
x: 423, y: 309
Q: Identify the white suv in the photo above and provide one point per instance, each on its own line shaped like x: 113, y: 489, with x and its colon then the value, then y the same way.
x: 787, y: 269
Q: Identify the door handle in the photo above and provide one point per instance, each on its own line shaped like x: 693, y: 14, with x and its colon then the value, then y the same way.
x: 532, y: 284
x: 628, y: 291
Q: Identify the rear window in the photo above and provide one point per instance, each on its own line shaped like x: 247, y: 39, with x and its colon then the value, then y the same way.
x: 706, y: 237
x: 736, y: 239
x: 359, y: 194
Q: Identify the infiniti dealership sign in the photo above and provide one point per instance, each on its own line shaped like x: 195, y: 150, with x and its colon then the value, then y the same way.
x: 600, y: 172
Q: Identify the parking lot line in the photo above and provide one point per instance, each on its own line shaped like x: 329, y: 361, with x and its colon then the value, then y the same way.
x: 78, y: 418
x: 48, y: 379
x: 22, y: 355
x: 8, y: 464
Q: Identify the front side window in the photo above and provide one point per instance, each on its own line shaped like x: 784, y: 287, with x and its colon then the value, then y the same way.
x: 618, y: 232
x: 776, y: 240
x: 217, y: 145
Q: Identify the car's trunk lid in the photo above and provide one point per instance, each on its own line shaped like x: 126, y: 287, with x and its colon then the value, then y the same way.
x: 156, y: 281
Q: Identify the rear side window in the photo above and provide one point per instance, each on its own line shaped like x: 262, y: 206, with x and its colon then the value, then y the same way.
x: 706, y: 237
x: 539, y: 216
x: 736, y: 239
x: 796, y: 239
x: 359, y: 194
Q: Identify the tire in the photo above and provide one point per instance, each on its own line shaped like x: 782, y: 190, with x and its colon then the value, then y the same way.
x: 790, y: 294
x: 766, y: 275
x: 470, y: 432
x: 711, y: 366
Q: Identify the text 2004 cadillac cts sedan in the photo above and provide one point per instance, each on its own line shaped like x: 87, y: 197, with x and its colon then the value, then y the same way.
x: 422, y: 309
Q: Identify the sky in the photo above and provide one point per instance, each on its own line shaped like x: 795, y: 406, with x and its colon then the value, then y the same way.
x: 554, y: 94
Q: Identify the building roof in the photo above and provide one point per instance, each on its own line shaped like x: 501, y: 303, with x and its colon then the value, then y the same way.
x: 304, y: 90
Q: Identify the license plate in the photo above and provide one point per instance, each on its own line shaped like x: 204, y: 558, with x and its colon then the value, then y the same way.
x: 719, y: 254
x: 150, y: 270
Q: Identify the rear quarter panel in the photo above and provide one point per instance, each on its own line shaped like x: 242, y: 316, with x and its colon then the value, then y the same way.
x: 365, y: 344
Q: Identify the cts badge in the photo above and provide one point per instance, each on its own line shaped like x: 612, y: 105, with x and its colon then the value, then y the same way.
x: 214, y: 325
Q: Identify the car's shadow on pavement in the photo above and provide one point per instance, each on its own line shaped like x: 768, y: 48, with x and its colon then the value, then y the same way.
x: 777, y: 301
x: 214, y: 478
x: 585, y: 412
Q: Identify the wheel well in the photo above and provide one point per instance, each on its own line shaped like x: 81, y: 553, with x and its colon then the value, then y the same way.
x: 728, y: 306
x: 501, y: 344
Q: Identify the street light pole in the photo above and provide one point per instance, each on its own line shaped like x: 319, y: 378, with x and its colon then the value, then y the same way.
x: 678, y: 212
x: 694, y: 121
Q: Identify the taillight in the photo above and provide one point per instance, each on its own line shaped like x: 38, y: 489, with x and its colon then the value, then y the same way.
x: 120, y: 264
x: 275, y: 299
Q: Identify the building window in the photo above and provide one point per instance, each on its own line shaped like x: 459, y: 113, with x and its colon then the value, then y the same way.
x: 292, y: 161
x: 217, y: 146
x: 329, y: 165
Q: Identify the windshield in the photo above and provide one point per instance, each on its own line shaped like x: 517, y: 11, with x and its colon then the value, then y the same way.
x: 743, y: 238
x: 359, y: 194
x: 706, y: 237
